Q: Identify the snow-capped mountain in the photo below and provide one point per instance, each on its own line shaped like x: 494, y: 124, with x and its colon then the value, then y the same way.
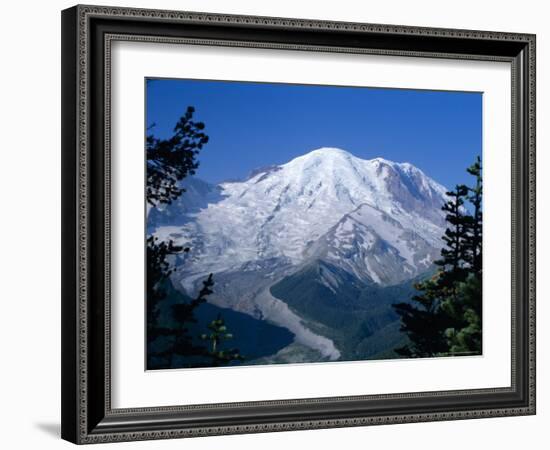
x: 378, y: 219
x: 311, y: 245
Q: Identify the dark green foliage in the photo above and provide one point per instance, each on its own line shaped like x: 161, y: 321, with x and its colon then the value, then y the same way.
x: 183, y: 314
x: 171, y: 160
x: 168, y: 162
x: 453, y: 255
x: 422, y: 322
x: 175, y: 333
x: 158, y: 271
x: 475, y: 226
x: 465, y: 307
x: 466, y: 338
x: 445, y: 317
x: 216, y: 337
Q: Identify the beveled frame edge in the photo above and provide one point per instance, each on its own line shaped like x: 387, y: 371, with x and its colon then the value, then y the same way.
x: 77, y: 226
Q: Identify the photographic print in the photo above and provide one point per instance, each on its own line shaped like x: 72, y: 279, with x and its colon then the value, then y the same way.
x: 291, y: 223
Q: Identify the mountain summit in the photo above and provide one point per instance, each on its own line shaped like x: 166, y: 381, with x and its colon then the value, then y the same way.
x: 291, y: 211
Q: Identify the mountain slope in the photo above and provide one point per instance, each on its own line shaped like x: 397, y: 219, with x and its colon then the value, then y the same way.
x: 368, y: 243
x: 360, y: 319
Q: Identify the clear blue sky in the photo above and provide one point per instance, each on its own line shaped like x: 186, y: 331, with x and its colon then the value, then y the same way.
x: 251, y: 125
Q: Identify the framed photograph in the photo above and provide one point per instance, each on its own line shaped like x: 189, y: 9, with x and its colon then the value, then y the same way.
x: 279, y: 224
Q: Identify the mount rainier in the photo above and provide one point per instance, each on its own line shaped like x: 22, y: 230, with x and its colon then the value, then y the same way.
x: 313, y: 245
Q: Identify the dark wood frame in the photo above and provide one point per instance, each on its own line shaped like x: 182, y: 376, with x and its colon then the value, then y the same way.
x: 87, y: 32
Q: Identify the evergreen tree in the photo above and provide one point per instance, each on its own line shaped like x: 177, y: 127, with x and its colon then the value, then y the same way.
x: 158, y: 272
x: 168, y: 162
x: 218, y: 334
x: 423, y: 322
x: 426, y: 320
x: 453, y: 255
x: 475, y: 228
x: 181, y: 342
x: 445, y: 318
x: 171, y: 160
x: 464, y: 335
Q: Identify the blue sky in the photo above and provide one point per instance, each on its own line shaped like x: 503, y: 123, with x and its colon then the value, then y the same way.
x: 251, y: 125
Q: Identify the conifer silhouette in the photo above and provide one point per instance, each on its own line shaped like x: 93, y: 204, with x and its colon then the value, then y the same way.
x: 445, y: 317
x: 168, y: 162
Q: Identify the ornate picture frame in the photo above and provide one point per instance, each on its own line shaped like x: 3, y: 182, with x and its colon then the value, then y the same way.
x: 88, y: 415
